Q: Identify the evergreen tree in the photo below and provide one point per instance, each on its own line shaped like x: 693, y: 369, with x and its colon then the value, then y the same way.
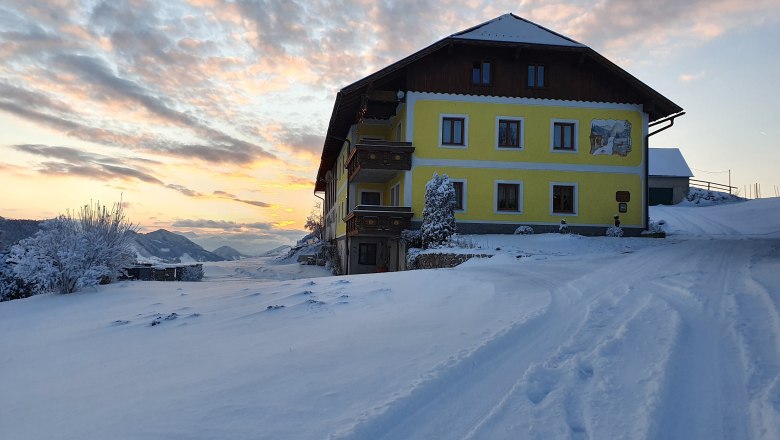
x: 439, y: 212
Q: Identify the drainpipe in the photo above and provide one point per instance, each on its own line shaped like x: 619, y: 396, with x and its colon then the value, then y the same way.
x: 670, y: 120
x: 346, y: 236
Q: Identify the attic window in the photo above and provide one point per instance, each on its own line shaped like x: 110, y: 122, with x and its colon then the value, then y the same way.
x: 480, y: 73
x: 536, y: 76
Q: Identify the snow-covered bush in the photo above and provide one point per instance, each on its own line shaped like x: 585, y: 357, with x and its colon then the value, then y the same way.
x: 457, y: 241
x: 11, y: 286
x: 412, y: 238
x: 192, y: 273
x: 524, y: 230
x: 656, y: 227
x: 69, y: 253
x: 614, y: 231
x: 563, y: 228
x: 438, y: 223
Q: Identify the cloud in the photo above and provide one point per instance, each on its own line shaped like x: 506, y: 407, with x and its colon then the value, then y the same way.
x: 220, y: 224
x: 226, y: 195
x: 85, y: 164
x: 184, y: 190
x: 690, y: 77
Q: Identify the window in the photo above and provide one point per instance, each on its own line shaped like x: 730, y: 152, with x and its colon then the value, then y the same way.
x: 536, y: 76
x: 509, y: 133
x: 480, y: 73
x: 460, y: 191
x: 395, y: 195
x: 453, y: 131
x: 367, y: 254
x: 564, y: 199
x: 564, y: 136
x: 370, y: 198
x: 508, y: 196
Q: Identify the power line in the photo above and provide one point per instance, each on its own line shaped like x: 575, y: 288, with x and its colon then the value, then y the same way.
x: 710, y: 172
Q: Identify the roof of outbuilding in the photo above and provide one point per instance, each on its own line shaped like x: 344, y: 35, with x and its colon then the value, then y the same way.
x: 668, y: 162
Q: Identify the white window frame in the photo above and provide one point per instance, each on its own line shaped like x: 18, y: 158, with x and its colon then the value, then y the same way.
x: 465, y: 130
x: 576, y: 199
x: 520, y: 197
x: 395, y: 193
x: 360, y: 196
x: 576, y: 123
x: 521, y: 134
x: 465, y: 189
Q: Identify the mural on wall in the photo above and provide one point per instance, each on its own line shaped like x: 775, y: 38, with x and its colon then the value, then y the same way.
x: 610, y: 136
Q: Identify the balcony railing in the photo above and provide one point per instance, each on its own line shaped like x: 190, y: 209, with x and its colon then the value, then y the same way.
x: 378, y: 161
x: 378, y: 220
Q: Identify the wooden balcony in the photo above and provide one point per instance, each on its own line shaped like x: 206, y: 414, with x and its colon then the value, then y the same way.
x: 378, y: 161
x: 385, y: 221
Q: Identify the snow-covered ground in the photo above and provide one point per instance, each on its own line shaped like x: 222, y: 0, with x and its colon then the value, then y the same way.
x: 554, y: 337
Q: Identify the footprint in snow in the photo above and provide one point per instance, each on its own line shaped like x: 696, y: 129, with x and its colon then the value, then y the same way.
x: 275, y: 307
x: 160, y: 319
x: 120, y: 322
x: 340, y: 282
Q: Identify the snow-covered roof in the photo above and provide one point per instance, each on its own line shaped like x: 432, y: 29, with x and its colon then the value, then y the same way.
x: 668, y: 162
x: 511, y: 28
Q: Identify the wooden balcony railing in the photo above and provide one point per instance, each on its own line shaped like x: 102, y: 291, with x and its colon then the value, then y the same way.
x: 378, y: 220
x: 378, y: 161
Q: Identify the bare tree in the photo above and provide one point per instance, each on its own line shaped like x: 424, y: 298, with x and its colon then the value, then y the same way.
x: 314, y: 222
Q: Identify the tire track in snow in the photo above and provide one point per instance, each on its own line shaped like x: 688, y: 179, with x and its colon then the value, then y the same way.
x: 757, y: 326
x: 455, y: 401
x: 704, y: 394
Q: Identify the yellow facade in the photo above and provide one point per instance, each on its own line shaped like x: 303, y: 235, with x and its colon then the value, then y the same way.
x: 480, y: 164
x: 482, y: 122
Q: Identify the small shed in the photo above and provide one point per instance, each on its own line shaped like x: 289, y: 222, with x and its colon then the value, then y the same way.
x: 668, y: 176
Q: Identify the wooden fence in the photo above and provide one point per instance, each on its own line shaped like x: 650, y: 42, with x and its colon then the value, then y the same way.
x: 712, y: 186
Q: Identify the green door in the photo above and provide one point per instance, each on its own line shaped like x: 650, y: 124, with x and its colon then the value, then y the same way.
x: 661, y: 196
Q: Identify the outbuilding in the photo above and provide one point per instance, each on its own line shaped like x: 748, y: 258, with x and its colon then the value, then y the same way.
x: 668, y: 176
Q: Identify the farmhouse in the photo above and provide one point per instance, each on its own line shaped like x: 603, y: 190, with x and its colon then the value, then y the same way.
x: 531, y: 126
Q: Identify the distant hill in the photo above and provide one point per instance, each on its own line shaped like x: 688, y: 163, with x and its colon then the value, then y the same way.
x: 277, y: 251
x: 160, y: 244
x: 228, y: 253
x: 171, y: 247
x: 11, y: 231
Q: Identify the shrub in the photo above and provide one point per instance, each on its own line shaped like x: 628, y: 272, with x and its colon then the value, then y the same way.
x: 412, y: 238
x: 11, y: 286
x: 563, y: 228
x: 69, y: 253
x: 614, y: 231
x: 524, y: 230
x: 438, y: 223
x: 192, y: 273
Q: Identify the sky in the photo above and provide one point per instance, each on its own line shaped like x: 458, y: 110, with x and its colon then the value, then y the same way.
x: 207, y: 117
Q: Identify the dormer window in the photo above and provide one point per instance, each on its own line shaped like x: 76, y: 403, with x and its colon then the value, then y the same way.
x: 536, y: 76
x: 480, y: 73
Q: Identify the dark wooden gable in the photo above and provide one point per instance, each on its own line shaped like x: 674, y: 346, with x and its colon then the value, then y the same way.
x: 569, y: 74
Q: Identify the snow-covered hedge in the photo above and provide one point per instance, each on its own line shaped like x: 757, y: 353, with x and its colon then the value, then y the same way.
x: 614, y: 231
x: 524, y: 230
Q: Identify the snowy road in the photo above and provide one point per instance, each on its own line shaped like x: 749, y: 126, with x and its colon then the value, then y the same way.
x: 638, y: 346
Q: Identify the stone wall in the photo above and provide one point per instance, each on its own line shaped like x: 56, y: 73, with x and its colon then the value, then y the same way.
x: 438, y: 261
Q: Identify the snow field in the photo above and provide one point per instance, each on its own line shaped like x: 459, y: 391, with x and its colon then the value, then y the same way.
x: 581, y: 338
